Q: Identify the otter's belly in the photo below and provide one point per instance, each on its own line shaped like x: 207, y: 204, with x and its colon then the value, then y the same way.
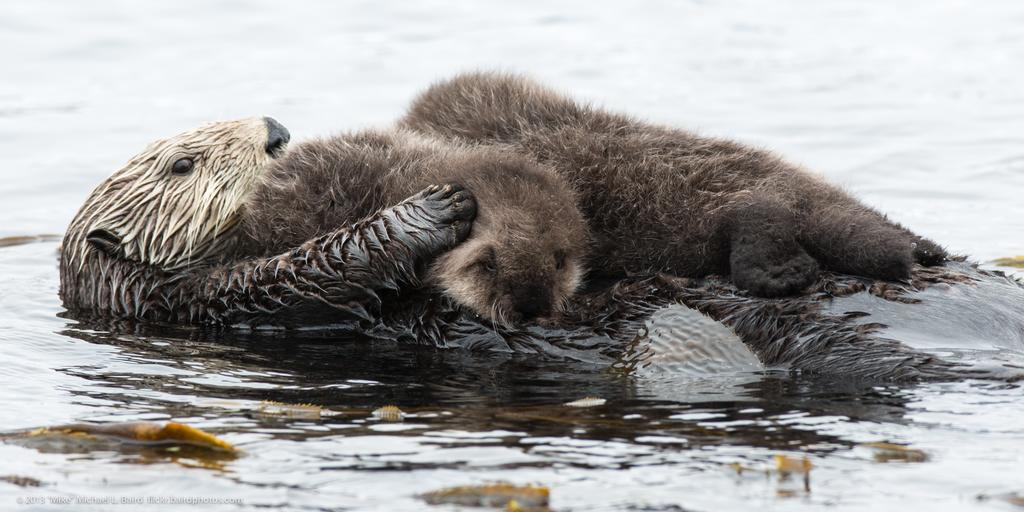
x: 955, y: 322
x: 978, y: 324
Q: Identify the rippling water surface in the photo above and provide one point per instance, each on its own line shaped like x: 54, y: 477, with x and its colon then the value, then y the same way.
x: 915, y: 106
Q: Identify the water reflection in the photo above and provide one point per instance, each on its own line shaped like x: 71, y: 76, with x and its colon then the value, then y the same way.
x: 461, y: 391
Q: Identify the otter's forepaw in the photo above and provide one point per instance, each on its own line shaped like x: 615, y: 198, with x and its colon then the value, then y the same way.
x: 929, y: 253
x: 766, y: 277
x: 451, y: 209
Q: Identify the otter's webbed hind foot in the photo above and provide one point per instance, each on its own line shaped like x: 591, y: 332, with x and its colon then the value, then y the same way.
x: 765, y: 257
x: 854, y: 239
x: 929, y: 253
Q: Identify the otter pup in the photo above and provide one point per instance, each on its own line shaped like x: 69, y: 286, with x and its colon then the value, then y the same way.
x: 664, y: 199
x: 159, y: 239
x: 524, y: 257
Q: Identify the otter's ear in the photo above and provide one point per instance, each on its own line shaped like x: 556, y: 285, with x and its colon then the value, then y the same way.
x: 104, y: 240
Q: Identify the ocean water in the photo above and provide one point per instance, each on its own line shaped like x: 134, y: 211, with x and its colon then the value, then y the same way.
x: 915, y: 106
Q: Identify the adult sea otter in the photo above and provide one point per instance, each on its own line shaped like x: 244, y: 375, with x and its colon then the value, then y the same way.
x: 158, y: 241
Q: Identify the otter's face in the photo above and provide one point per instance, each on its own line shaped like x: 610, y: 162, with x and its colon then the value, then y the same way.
x: 172, y: 205
x: 516, y: 271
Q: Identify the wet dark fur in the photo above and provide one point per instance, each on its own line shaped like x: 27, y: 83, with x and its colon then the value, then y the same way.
x: 527, y: 213
x: 664, y: 199
x: 607, y: 325
x: 341, y: 274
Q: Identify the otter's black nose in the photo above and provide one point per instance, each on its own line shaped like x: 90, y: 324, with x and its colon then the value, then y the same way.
x: 535, y: 303
x: 277, y: 136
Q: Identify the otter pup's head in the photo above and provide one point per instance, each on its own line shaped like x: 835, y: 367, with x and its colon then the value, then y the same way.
x: 171, y: 205
x: 525, y: 256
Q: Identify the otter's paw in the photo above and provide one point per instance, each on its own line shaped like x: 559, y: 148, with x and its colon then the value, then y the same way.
x: 929, y: 253
x: 767, y: 277
x: 450, y: 208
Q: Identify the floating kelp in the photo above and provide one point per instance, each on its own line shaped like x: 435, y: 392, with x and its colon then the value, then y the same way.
x: 299, y: 411
x: 888, y: 452
x: 84, y: 437
x: 786, y: 465
x: 21, y: 481
x: 1014, y: 261
x: 389, y: 413
x: 146, y: 432
x: 304, y: 411
x: 494, y: 495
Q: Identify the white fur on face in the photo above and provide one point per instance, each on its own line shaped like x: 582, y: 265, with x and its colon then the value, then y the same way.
x: 167, y: 220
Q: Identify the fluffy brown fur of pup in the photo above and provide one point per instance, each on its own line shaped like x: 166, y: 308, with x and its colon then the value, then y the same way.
x: 664, y: 199
x: 525, y: 254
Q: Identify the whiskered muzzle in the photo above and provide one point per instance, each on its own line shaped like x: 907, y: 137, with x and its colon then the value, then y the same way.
x: 533, y: 302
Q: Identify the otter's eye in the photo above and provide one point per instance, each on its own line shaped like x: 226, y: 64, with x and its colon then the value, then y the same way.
x: 559, y: 260
x: 490, y: 262
x: 182, y: 166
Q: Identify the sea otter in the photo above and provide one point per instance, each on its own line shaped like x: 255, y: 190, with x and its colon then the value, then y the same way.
x: 159, y: 240
x: 664, y: 199
x: 134, y: 253
x: 524, y: 258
